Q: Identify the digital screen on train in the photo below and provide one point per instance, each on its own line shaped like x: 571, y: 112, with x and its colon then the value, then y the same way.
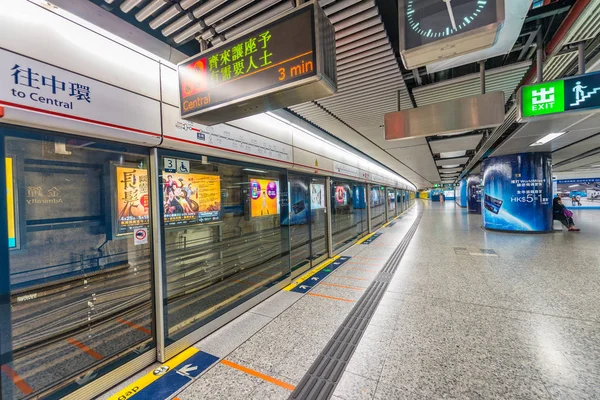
x: 191, y: 198
x: 264, y: 197
x: 10, y: 204
x: 271, y: 56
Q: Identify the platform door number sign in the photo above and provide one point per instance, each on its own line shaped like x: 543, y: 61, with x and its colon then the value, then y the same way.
x: 577, y: 94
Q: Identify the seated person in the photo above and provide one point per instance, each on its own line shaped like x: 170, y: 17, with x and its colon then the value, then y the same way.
x: 558, y: 210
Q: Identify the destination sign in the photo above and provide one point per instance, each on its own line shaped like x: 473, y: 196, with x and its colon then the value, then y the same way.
x: 577, y: 94
x: 274, y: 57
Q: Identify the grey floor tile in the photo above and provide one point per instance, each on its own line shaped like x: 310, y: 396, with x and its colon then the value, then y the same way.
x: 221, y: 383
x: 269, y: 391
x: 228, y: 338
x: 390, y: 392
x: 276, y: 304
x: 355, y: 387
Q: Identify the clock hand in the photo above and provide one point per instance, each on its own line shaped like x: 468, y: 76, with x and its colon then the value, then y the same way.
x: 450, y: 13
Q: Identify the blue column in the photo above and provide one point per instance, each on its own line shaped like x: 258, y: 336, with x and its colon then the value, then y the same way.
x: 474, y: 194
x: 460, y: 196
x: 518, y: 192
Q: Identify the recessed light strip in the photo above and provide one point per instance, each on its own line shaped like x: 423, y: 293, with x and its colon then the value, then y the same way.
x: 547, y: 139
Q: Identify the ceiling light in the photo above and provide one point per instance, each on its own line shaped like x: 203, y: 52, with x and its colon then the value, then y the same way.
x: 150, y: 9
x: 255, y: 170
x: 177, y: 25
x: 573, y: 186
x: 547, y: 139
x: 166, y: 16
x: 451, y: 166
x: 128, y: 5
x: 453, y: 154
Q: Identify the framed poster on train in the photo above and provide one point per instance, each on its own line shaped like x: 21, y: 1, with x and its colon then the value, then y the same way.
x: 11, y: 204
x: 191, y: 198
x: 132, y: 206
x: 264, y: 197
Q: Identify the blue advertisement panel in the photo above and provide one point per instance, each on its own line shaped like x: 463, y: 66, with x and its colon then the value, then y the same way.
x: 474, y: 194
x: 517, y: 194
x: 359, y: 200
x: 299, y: 207
x: 460, y: 193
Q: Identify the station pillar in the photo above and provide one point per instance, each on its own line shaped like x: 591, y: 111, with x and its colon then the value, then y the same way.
x: 517, y: 192
x: 474, y: 194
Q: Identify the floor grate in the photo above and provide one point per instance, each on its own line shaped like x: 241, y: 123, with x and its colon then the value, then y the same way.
x: 323, y: 376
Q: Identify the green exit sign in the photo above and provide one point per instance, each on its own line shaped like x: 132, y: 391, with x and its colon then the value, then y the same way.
x: 543, y: 99
x: 579, y: 94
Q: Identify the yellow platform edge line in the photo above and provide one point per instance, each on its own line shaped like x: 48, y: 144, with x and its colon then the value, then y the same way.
x: 361, y: 241
x: 310, y: 273
x: 150, y: 377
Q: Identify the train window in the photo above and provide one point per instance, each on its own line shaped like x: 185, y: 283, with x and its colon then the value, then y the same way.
x: 80, y: 265
x: 224, y: 237
x: 349, y: 212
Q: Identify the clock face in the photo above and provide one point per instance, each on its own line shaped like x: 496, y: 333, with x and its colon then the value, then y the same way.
x: 428, y: 21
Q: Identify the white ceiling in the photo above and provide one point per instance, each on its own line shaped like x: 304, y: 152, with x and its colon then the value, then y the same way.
x: 583, y: 136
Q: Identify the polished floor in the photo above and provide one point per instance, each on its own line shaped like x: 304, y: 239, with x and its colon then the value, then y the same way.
x: 469, y: 314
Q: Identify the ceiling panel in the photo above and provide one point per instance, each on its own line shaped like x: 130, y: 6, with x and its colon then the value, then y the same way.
x: 452, y: 170
x: 584, y: 162
x: 469, y: 142
x: 452, y: 161
x: 504, y: 79
x: 576, y: 150
x: 578, y: 128
x: 419, y: 159
x: 355, y: 113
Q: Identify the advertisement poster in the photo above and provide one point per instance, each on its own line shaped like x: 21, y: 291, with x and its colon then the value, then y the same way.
x: 358, y: 200
x: 340, y: 195
x: 264, y: 197
x: 298, y: 212
x: 10, y: 204
x: 517, y: 192
x: 191, y: 198
x: 317, y: 196
x: 582, y: 192
x: 132, y: 199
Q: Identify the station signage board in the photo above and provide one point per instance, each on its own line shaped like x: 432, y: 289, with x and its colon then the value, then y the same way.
x: 280, y: 63
x: 577, y: 94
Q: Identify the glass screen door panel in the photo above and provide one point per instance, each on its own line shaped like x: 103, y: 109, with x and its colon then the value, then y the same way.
x: 318, y: 220
x: 80, y: 259
x: 300, y: 221
x: 392, y: 205
x: 226, y: 238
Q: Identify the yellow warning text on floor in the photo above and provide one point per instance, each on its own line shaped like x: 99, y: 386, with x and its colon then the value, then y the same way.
x: 150, y: 377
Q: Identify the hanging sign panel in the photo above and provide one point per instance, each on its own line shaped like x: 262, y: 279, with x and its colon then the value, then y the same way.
x: 577, y: 94
x: 280, y: 63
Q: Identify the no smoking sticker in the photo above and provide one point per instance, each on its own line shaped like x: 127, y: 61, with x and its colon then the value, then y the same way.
x: 140, y: 236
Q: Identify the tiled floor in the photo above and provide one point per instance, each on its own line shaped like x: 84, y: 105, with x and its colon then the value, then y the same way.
x: 524, y: 324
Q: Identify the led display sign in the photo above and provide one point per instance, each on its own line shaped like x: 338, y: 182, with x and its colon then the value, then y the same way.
x: 577, y: 94
x: 276, y: 65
